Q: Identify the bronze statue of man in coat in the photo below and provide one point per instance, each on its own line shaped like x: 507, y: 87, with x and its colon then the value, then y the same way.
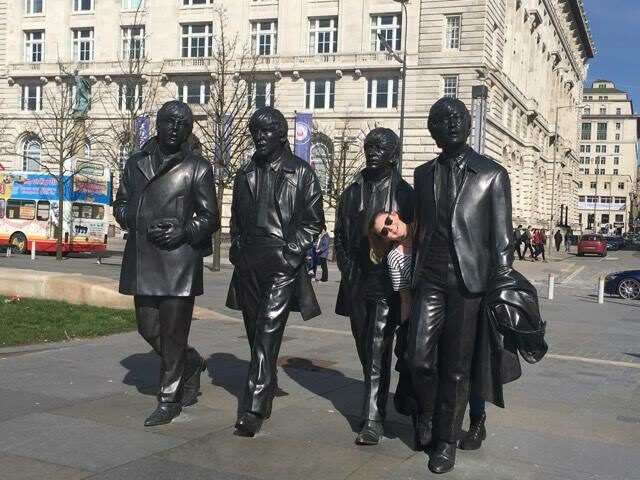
x: 167, y: 202
x: 276, y: 216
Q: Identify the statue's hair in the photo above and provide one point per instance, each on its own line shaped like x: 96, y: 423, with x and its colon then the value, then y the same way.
x: 176, y: 107
x: 386, y: 136
x: 269, y: 116
x: 443, y: 106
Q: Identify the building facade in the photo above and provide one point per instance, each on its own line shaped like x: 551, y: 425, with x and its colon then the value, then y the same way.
x: 327, y: 58
x: 608, y: 159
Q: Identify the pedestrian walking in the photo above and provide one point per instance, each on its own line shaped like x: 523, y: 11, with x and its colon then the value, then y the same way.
x: 517, y: 242
x: 527, y: 238
x: 558, y: 239
x: 539, y: 241
x: 567, y: 240
x: 322, y: 254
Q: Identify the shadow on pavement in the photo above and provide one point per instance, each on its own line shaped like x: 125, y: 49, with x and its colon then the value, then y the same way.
x: 143, y: 372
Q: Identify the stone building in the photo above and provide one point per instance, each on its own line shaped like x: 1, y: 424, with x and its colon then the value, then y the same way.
x: 608, y: 159
x: 325, y: 57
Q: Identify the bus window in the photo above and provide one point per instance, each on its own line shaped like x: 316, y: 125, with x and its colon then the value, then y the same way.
x: 2, y: 202
x: 43, y: 210
x: 21, y: 209
x: 85, y: 210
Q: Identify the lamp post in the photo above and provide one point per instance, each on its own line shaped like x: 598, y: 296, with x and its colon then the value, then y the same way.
x: 403, y: 77
x: 553, y: 179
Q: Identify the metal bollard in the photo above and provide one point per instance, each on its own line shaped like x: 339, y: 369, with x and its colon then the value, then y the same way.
x: 8, y: 253
x: 601, y: 290
x: 552, y: 285
x: 33, y: 250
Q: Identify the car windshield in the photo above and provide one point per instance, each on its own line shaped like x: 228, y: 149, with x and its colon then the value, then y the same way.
x: 590, y: 238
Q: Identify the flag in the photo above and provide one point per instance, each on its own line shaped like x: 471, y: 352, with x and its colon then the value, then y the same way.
x: 143, y: 127
x: 304, y: 129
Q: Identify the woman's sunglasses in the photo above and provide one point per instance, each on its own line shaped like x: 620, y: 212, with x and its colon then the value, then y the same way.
x: 387, y: 221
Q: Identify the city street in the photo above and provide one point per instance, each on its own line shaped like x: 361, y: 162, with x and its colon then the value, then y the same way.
x: 75, y: 410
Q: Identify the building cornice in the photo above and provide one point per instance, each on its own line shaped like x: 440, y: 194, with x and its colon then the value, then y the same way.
x: 577, y: 8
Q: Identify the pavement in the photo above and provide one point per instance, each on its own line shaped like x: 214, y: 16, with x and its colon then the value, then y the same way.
x: 75, y: 410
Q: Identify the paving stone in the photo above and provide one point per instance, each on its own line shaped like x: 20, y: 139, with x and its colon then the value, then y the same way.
x: 78, y: 443
x: 15, y: 403
x: 161, y: 469
x: 13, y: 467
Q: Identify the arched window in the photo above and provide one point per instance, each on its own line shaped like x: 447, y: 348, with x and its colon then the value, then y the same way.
x: 31, y: 155
x: 321, y: 158
x: 87, y: 149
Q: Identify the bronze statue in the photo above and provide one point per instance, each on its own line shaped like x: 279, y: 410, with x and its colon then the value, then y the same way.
x: 366, y: 295
x: 463, y: 240
x: 276, y: 216
x: 170, y: 223
x: 82, y: 99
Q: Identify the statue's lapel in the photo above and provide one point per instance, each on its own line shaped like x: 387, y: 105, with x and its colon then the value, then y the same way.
x: 145, y: 165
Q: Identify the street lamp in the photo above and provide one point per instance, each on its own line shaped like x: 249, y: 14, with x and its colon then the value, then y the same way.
x: 403, y: 61
x: 553, y: 178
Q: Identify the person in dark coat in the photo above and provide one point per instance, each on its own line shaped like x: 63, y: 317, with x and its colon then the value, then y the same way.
x: 321, y: 255
x: 365, y: 293
x: 558, y: 239
x: 167, y: 202
x: 463, y: 238
x: 276, y: 216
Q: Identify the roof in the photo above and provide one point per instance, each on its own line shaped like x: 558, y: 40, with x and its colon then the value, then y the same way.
x: 602, y: 90
x: 577, y: 8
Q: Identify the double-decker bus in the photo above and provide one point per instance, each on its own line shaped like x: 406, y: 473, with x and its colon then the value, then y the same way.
x: 29, y: 210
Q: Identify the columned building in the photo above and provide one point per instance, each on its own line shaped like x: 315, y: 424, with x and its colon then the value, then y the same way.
x: 608, y: 159
x: 329, y: 58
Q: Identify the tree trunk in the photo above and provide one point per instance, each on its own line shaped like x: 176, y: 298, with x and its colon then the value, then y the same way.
x: 217, y: 237
x: 60, y: 229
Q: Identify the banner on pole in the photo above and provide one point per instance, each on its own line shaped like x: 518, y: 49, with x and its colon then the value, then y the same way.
x: 143, y: 131
x: 304, y: 130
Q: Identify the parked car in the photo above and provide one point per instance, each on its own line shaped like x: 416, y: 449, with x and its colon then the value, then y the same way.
x: 626, y: 284
x: 592, y: 243
x: 612, y: 243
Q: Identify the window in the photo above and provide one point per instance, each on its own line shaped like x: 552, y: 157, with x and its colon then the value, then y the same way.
x: 617, y: 137
x: 390, y: 28
x: 615, y: 171
x: 194, y: 92
x: 82, y: 45
x: 604, y: 218
x: 32, y: 97
x: 132, y: 4
x: 592, y: 199
x: 450, y: 89
x: 605, y: 199
x: 582, y: 160
x: 133, y: 43
x: 82, y: 5
x: 261, y: 94
x: 33, y: 7
x: 587, y: 160
x: 85, y: 210
x: 619, y: 199
x: 587, y: 110
x: 598, y: 149
x: 592, y: 185
x: 616, y: 149
x: 321, y: 158
x: 580, y: 186
x: 603, y: 110
x: 43, y: 211
x: 618, y: 111
x: 2, y: 207
x: 264, y: 37
x: 607, y: 185
x: 586, y: 171
x: 602, y: 131
x: 320, y: 94
x: 586, y: 131
x: 130, y: 97
x: 620, y: 185
x: 600, y: 172
x: 197, y: 40
x: 31, y: 155
x: 382, y: 93
x: 618, y: 125
x: 588, y: 149
x: 452, y: 31
x: 582, y: 148
x: 619, y: 218
x: 323, y: 35
x: 581, y: 198
x: 34, y: 46
x: 21, y: 209
x: 196, y: 2
x: 616, y: 160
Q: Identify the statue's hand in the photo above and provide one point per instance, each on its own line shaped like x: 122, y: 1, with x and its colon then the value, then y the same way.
x: 167, y: 233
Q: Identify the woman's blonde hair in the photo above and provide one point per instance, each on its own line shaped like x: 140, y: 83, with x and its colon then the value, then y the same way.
x: 379, y: 246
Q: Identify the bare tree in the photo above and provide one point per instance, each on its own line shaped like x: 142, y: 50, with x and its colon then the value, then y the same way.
x: 63, y: 132
x: 132, y: 96
x: 345, y: 163
x: 224, y: 123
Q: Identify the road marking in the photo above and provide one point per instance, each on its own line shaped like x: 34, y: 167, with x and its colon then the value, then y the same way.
x: 596, y: 361
x: 572, y: 276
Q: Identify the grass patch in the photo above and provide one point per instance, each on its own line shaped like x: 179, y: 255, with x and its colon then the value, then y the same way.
x: 42, y: 321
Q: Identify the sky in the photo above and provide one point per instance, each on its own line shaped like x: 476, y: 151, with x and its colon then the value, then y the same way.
x: 615, y: 28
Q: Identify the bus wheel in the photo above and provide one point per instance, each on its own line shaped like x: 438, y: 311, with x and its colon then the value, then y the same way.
x: 18, y: 242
